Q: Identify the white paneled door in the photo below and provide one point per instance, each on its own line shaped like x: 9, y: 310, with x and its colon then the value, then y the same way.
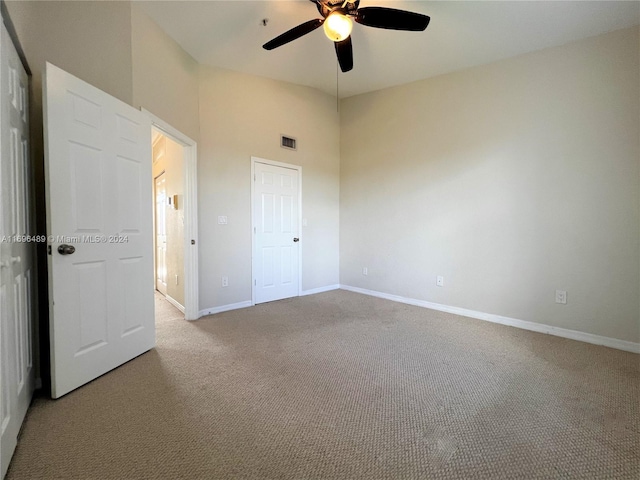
x: 99, y: 220
x: 276, y: 261
x: 16, y: 252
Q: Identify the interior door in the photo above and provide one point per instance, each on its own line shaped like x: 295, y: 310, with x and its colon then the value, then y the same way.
x: 99, y: 219
x: 16, y: 251
x: 276, y: 230
x: 161, y: 233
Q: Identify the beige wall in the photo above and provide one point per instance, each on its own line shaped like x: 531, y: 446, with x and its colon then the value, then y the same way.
x: 91, y: 40
x: 168, y: 158
x: 243, y: 116
x: 165, y: 77
x: 511, y: 180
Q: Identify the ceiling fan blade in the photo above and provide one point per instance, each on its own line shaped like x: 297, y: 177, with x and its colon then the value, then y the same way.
x: 392, y: 19
x: 344, y: 51
x: 294, y: 33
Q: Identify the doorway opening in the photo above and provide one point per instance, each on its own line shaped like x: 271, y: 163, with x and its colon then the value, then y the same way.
x: 175, y: 216
x: 168, y: 187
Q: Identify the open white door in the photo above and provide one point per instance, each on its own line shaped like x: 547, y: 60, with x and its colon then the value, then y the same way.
x: 99, y: 222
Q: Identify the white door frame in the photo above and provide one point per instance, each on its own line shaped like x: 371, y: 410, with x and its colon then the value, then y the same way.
x: 191, y: 307
x: 254, y: 255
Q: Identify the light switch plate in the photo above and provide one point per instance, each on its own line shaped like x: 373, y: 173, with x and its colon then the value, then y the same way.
x: 561, y: 297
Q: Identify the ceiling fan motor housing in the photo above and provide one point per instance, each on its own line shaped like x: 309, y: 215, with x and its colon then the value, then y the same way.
x: 325, y: 7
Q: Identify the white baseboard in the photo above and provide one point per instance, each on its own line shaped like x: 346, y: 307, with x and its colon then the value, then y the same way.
x: 248, y: 303
x: 224, y: 308
x: 513, y: 322
x: 313, y: 291
x: 174, y: 302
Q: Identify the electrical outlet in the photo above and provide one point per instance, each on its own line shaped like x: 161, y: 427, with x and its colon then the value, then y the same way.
x: 365, y: 271
x: 222, y: 220
x: 561, y: 297
x: 225, y: 281
x: 440, y: 281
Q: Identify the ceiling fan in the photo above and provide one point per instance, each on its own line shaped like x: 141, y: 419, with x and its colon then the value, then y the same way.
x: 337, y: 23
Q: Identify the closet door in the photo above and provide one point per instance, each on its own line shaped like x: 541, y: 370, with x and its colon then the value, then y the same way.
x: 16, y: 251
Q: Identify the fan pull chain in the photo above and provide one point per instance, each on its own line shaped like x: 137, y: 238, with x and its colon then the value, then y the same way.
x: 337, y: 87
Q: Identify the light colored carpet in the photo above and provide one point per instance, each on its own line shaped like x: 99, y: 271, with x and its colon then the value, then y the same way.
x: 344, y: 386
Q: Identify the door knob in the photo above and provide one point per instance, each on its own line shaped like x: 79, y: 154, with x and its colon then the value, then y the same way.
x: 66, y: 249
x: 296, y: 239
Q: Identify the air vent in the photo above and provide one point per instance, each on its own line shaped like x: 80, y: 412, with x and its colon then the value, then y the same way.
x: 288, y: 142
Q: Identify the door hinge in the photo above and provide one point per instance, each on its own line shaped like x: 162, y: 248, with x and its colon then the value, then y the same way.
x: 49, y: 249
x: 255, y: 282
x: 254, y: 229
x: 254, y: 177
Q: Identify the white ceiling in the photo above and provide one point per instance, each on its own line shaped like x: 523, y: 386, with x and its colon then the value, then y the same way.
x: 461, y: 34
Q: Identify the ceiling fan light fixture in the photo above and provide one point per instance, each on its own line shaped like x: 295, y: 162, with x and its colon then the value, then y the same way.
x: 338, y: 22
x: 337, y: 26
